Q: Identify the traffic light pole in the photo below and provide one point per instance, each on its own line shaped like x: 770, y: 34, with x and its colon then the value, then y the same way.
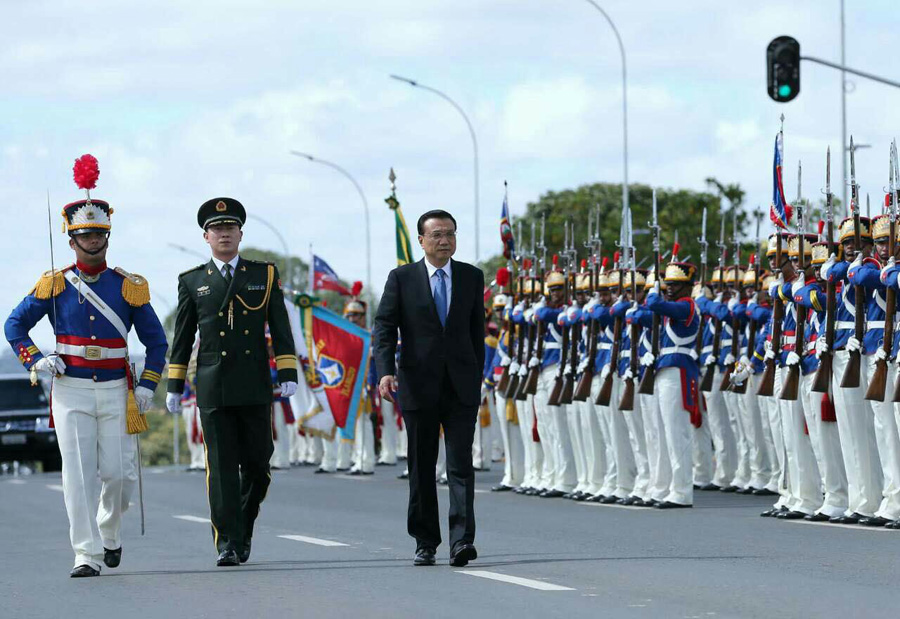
x: 870, y: 76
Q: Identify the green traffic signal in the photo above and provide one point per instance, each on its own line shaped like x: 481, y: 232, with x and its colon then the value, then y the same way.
x: 784, y: 91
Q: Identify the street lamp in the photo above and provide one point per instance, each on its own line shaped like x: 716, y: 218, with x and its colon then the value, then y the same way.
x: 365, y: 202
x: 624, y: 102
x: 474, y: 143
x: 287, y: 255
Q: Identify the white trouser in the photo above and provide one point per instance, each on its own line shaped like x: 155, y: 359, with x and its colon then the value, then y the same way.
x: 657, y: 453
x: 888, y: 442
x: 481, y: 443
x: 856, y: 428
x: 702, y: 451
x: 344, y: 451
x: 316, y: 450
x: 298, y: 443
x: 573, y: 421
x: 722, y: 434
x: 677, y: 427
x: 758, y: 455
x: 610, y: 470
x: 514, y: 460
x: 593, y: 445
x: 774, y: 416
x: 564, y: 476
x: 364, y: 445
x: 532, y: 450
x: 803, y: 480
x: 634, y: 421
x: 497, y: 449
x: 330, y: 452
x: 620, y: 473
x: 389, y: 434
x: 440, y: 469
x: 281, y: 454
x: 90, y: 428
x: 196, y: 450
x: 403, y: 440
x: 826, y: 445
x: 742, y: 471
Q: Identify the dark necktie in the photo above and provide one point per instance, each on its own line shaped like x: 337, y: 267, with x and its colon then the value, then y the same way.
x: 227, y: 274
x: 440, y: 296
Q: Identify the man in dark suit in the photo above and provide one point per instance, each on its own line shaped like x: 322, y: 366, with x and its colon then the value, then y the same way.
x: 231, y: 300
x: 437, y: 305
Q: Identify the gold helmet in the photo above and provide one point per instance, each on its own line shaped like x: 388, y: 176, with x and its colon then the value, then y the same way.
x: 355, y: 305
x: 772, y: 245
x: 500, y: 301
x: 583, y: 282
x: 846, y: 230
x: 730, y: 277
x: 640, y: 278
x: 554, y: 279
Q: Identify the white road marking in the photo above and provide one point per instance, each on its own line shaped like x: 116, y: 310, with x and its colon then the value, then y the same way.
x: 515, y: 580
x: 312, y: 540
x: 355, y: 477
x: 193, y: 519
x: 17, y: 482
x: 477, y: 490
x: 56, y: 487
x: 852, y: 527
x: 645, y: 509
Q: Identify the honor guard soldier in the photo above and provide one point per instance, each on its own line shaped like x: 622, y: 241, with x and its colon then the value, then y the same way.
x: 364, y: 434
x: 92, y: 308
x: 231, y: 300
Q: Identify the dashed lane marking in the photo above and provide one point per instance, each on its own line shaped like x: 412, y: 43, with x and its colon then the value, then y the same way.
x: 312, y: 540
x: 516, y: 580
x: 17, y: 482
x: 354, y: 477
x: 631, y: 507
x: 56, y: 487
x: 852, y: 527
x: 193, y: 519
x: 477, y: 490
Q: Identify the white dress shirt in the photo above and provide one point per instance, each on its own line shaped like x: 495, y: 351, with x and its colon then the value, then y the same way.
x: 433, y: 279
x: 221, y: 265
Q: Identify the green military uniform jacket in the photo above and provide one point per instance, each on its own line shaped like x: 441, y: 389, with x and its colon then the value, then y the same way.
x: 233, y: 360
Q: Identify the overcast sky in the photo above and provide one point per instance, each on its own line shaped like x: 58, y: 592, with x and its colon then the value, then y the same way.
x: 184, y: 101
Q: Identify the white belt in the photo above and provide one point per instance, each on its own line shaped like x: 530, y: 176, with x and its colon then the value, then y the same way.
x: 93, y: 353
x: 845, y: 324
x: 604, y: 346
x: 551, y: 345
x: 673, y: 350
x: 874, y: 324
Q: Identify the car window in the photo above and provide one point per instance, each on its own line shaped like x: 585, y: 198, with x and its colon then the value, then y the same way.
x: 19, y: 394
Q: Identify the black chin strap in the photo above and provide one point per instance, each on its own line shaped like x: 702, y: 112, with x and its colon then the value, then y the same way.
x: 88, y: 251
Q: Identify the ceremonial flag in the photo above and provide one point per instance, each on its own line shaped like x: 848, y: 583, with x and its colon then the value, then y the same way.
x: 338, y: 353
x: 404, y: 246
x: 506, y: 235
x: 780, y: 211
x: 324, y: 277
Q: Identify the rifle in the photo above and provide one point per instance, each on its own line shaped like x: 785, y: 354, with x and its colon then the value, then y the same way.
x: 706, y: 383
x: 704, y: 246
x: 751, y: 332
x: 822, y: 381
x: 648, y: 382
x: 514, y: 298
x: 583, y: 390
x: 535, y: 372
x: 605, y: 395
x: 791, y: 388
x: 851, y: 374
x: 767, y: 383
x: 556, y: 391
x: 879, y: 378
x: 568, y: 392
x: 626, y: 403
x: 521, y: 394
x: 735, y: 319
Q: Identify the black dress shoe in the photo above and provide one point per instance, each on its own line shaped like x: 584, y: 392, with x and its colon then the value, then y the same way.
x: 462, y: 554
x: 521, y: 490
x: 321, y: 470
x: 729, y: 489
x: 244, y: 554
x: 228, y: 558
x: 696, y: 486
x: 893, y: 525
x: 580, y: 496
x: 112, y: 558
x: 403, y: 475
x: 532, y: 492
x: 424, y: 556
x: 380, y: 463
x: 628, y: 501
x: 368, y: 472
x: 672, y: 505
x: 791, y: 515
x: 711, y: 487
x: 609, y: 500
x: 501, y: 488
x: 83, y: 571
x: 763, y: 492
x: 568, y: 495
x: 853, y: 518
x: 355, y: 472
x: 443, y: 481
x: 594, y: 498
x: 817, y: 517
x: 552, y: 494
x: 874, y: 521
x: 747, y: 490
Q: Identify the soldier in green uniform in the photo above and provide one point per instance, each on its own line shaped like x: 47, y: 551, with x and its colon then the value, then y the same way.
x: 231, y: 299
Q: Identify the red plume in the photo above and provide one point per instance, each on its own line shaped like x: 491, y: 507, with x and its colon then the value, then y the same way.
x: 887, y: 204
x: 555, y: 260
x: 752, y: 260
x: 86, y: 172
x: 502, y: 277
x: 356, y: 289
x: 584, y: 263
x: 675, y: 249
x: 526, y: 264
x: 605, y: 262
x: 616, y: 258
x: 821, y: 227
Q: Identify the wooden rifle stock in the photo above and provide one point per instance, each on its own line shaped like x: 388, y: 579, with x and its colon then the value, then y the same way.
x: 583, y: 390
x: 822, y: 381
x: 767, y: 383
x: 531, y: 382
x: 605, y: 396
x: 850, y: 380
x: 522, y: 391
x: 648, y: 382
x: 556, y: 392
x: 568, y: 392
x: 513, y: 385
x: 626, y: 403
x: 878, y: 384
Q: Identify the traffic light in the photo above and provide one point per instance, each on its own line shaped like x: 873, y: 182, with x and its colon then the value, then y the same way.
x: 783, y: 68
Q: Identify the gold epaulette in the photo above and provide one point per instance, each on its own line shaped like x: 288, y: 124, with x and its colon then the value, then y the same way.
x: 490, y: 341
x: 135, y: 289
x: 192, y: 269
x: 50, y: 284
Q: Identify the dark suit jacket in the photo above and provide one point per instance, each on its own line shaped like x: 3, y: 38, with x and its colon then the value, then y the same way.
x: 428, y: 350
x: 232, y: 363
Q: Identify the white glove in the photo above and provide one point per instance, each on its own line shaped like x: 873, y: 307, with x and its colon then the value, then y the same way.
x: 533, y: 362
x: 583, y: 365
x: 591, y: 304
x: 528, y: 314
x: 891, y: 263
x: 753, y: 298
x: 740, y: 374
x: 519, y: 308
x: 648, y: 359
x: 792, y: 359
x: 523, y: 371
x: 627, y: 375
x: 770, y: 354
x: 173, y: 402
x: 505, y: 362
x: 572, y: 313
x: 656, y: 288
x: 729, y: 359
x: 513, y: 368
x: 561, y: 319
x: 857, y: 260
x: 710, y: 360
x: 288, y: 389
x: 744, y: 360
x: 823, y: 271
x: 604, y: 372
x: 821, y: 346
x: 52, y: 365
x: 484, y: 391
x: 852, y: 344
x: 718, y: 297
x: 144, y: 398
x: 542, y: 302
x: 880, y: 355
x: 732, y: 302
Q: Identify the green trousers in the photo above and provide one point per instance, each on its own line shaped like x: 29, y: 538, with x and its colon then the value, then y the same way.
x: 238, y: 447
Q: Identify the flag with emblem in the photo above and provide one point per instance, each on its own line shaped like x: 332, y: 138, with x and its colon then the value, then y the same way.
x: 324, y: 278
x: 780, y: 212
x: 506, y: 234
x: 338, y: 353
x: 404, y: 245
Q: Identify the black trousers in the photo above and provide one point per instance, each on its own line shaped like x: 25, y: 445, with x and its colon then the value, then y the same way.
x: 238, y: 447
x: 423, y: 428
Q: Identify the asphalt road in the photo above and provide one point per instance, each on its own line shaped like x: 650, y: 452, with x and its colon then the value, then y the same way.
x: 348, y: 555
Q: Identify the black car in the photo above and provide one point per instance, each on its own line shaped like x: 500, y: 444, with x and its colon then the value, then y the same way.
x: 25, y: 432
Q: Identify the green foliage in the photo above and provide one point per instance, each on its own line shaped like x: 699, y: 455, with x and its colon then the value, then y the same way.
x: 156, y: 443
